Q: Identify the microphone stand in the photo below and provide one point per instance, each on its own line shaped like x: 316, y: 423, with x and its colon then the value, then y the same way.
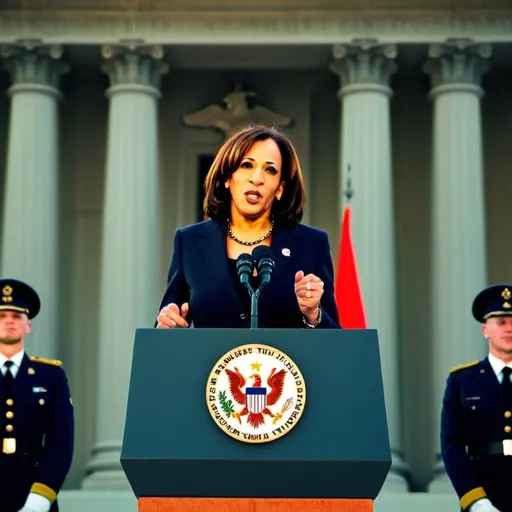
x: 245, y: 265
x: 254, y: 301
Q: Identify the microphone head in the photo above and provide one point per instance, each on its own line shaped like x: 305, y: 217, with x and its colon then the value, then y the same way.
x: 244, y: 266
x: 263, y: 254
x: 264, y: 261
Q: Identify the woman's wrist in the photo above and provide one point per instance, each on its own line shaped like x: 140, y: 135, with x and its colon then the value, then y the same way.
x: 313, y: 319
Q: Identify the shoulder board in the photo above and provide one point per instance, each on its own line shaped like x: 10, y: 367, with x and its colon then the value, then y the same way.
x: 463, y: 366
x: 53, y: 362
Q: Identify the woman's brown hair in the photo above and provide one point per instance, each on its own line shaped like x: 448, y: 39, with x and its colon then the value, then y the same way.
x: 288, y: 211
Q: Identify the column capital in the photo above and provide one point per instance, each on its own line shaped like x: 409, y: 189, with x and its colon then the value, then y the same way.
x: 34, y: 64
x: 457, y: 62
x: 131, y: 63
x: 364, y: 64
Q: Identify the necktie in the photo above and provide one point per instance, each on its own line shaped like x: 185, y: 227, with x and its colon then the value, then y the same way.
x: 8, y: 376
x: 506, y: 383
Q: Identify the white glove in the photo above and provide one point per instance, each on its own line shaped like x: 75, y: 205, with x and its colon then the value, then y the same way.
x: 483, y: 505
x: 36, y: 503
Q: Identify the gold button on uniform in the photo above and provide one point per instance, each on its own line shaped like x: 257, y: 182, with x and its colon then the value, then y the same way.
x: 9, y: 428
x: 41, y: 401
x: 9, y: 401
x: 508, y: 414
x: 508, y: 429
x: 9, y: 414
x: 473, y: 407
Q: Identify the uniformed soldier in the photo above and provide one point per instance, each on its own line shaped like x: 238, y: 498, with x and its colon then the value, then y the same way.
x: 36, y: 413
x: 476, y: 417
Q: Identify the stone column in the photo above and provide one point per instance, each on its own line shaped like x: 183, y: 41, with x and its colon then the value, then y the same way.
x: 365, y: 69
x: 129, y: 288
x: 30, y: 227
x: 458, y: 222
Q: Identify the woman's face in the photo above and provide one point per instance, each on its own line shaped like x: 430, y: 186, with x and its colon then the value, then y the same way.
x: 257, y: 181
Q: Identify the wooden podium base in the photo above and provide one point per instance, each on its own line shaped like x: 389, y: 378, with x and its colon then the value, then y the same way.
x: 252, y: 505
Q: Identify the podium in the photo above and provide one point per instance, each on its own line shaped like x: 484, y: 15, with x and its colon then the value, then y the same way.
x: 326, y: 445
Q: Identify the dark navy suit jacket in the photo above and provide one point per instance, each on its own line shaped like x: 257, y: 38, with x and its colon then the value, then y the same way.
x: 475, y: 413
x: 37, y: 412
x: 201, y: 273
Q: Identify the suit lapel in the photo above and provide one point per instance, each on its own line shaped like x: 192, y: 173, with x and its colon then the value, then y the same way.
x: 491, y: 382
x: 212, y: 247
x: 284, y: 247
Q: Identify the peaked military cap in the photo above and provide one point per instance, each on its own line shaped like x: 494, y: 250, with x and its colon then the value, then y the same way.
x: 495, y: 300
x: 19, y: 296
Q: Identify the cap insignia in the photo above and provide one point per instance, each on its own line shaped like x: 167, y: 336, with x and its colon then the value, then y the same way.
x: 6, y: 294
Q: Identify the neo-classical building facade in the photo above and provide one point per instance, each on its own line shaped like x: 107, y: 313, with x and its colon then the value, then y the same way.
x: 100, y: 161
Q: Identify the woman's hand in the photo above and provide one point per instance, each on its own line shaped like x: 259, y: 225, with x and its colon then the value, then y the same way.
x: 309, y: 290
x: 172, y: 316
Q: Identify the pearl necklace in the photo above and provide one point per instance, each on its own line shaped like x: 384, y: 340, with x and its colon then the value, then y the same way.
x: 230, y: 233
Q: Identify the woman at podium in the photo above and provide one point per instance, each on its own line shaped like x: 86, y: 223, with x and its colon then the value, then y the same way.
x: 254, y: 201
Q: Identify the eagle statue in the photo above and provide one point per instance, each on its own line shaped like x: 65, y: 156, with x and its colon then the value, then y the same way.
x: 236, y: 115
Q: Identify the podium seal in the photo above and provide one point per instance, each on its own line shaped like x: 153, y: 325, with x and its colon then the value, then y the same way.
x: 255, y: 393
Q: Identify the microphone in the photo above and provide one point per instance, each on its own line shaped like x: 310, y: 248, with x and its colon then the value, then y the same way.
x: 262, y: 258
x: 244, y: 267
x: 265, y: 263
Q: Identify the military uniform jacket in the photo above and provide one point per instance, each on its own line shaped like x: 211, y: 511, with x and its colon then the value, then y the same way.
x: 476, y: 417
x: 37, y: 427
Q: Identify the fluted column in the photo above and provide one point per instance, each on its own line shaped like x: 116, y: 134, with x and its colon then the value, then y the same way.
x: 129, y: 249
x: 458, y: 242
x: 365, y: 69
x: 30, y: 234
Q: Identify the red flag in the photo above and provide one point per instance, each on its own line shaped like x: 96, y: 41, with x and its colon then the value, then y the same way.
x: 347, y: 290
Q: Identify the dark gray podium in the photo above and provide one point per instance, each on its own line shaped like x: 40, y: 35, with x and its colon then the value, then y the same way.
x: 173, y: 449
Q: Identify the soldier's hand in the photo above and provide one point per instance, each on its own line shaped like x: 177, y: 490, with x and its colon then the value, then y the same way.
x: 483, y: 505
x: 172, y: 316
x: 36, y: 503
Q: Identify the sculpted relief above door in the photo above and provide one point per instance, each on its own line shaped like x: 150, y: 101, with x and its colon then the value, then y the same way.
x: 236, y: 114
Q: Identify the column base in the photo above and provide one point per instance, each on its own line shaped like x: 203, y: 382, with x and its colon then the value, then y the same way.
x: 441, y: 483
x: 104, y: 471
x: 397, y: 479
x: 106, y: 481
x: 252, y: 505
